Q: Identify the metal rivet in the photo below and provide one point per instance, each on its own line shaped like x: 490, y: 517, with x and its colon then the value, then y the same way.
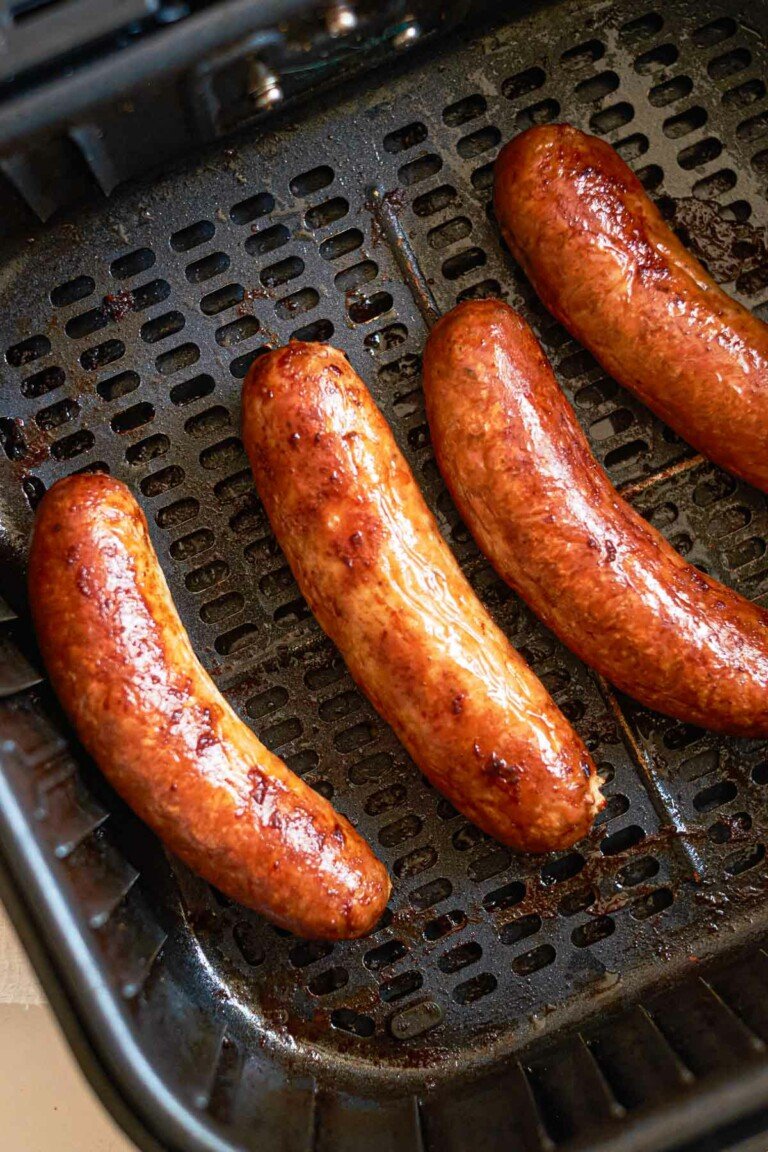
x: 264, y: 89
x: 407, y: 36
x: 340, y: 18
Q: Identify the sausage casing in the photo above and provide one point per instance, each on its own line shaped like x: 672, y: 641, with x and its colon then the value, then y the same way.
x: 607, y: 266
x: 383, y: 584
x: 124, y: 669
x: 544, y: 512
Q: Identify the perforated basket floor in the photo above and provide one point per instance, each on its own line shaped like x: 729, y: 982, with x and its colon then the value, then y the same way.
x: 127, y: 332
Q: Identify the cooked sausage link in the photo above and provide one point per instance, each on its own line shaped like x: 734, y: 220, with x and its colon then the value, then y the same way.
x: 544, y: 512
x: 604, y: 262
x: 376, y: 572
x: 123, y: 667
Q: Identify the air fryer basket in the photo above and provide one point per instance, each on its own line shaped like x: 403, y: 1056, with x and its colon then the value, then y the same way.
x: 613, y: 996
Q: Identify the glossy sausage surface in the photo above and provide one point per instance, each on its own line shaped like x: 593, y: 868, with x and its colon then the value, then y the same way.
x: 383, y: 584
x: 124, y: 669
x: 544, y: 512
x: 607, y: 266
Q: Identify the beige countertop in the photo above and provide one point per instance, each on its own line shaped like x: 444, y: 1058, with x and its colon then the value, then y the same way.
x: 45, y: 1101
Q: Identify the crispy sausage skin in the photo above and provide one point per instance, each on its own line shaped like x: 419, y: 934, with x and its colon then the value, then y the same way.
x: 603, y: 261
x: 124, y: 669
x: 544, y: 512
x: 383, y: 584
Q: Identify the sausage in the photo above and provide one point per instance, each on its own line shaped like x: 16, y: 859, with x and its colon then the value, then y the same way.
x: 541, y: 508
x: 370, y: 560
x: 124, y: 669
x: 603, y: 261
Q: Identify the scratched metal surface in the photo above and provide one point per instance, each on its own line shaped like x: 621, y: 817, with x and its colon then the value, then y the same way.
x: 127, y: 331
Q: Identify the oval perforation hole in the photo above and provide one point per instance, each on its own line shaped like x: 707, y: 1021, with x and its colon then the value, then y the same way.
x: 327, y: 213
x: 462, y: 111
x: 221, y: 608
x: 419, y: 170
x: 227, y: 453
x: 222, y: 299
x: 148, y: 449
x: 637, y: 871
x: 564, y: 868
x: 655, y: 59
x: 600, y: 928
x: 445, y: 925
x: 708, y: 799
x: 714, y: 32
x: 651, y: 904
x: 684, y: 122
x: 427, y: 895
x: 208, y: 423
x: 582, y: 55
x: 463, y: 262
x: 460, y: 957
x: 302, y: 301
x: 352, y: 278
x: 356, y: 1023
x: 28, y: 350
x: 72, y: 291
x: 177, y: 358
x: 331, y: 980
x: 312, y: 181
x: 753, y: 129
x: 520, y: 929
x: 237, y: 639
x: 405, y: 138
x: 534, y: 960
x: 193, y: 236
x: 475, y: 143
x: 189, y: 390
x: 74, y: 445
x: 268, y: 240
x: 669, y: 91
x: 318, y: 331
x: 641, y: 28
x: 696, y: 155
x: 596, y: 87
x: 117, y: 386
x: 709, y: 187
x: 57, y: 414
x: 162, y: 481
x: 384, y: 955
x: 362, y: 311
x: 282, y: 272
x: 729, y: 63
x: 208, y: 267
x: 207, y: 576
x: 229, y: 335
x: 435, y: 201
x: 742, y: 95
x: 43, y: 382
x: 523, y: 83
x: 475, y: 989
x: 162, y: 327
x: 622, y: 840
x: 449, y: 233
x: 490, y: 865
x: 611, y: 118
x: 94, y: 358
x: 192, y: 544
x: 541, y: 113
x: 400, y: 986
x: 507, y: 896
x: 341, y: 244
x: 132, y: 264
x: 251, y: 209
x: 240, y: 365
x: 148, y: 294
x: 132, y: 418
x: 179, y: 512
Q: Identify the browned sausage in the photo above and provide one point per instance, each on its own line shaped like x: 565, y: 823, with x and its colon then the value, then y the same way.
x: 607, y: 266
x: 544, y: 512
x: 124, y: 669
x: 376, y: 572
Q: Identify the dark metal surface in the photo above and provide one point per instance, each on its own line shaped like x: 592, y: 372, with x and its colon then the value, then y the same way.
x: 127, y: 333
